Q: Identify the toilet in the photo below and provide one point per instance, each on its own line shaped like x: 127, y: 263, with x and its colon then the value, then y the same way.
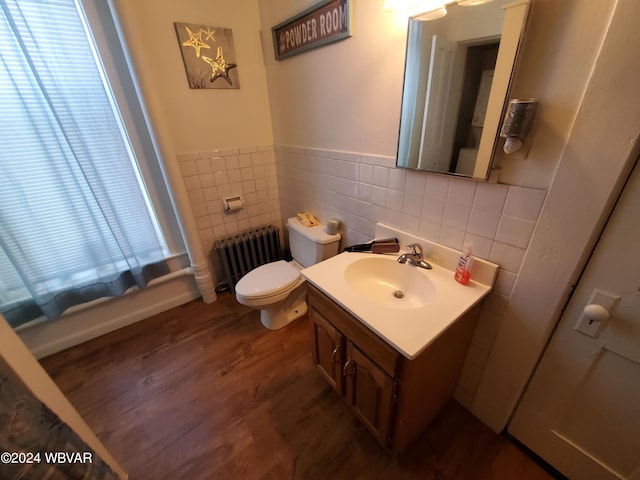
x: 277, y: 289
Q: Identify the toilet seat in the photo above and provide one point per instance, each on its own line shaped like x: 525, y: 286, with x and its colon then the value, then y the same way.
x: 269, y: 280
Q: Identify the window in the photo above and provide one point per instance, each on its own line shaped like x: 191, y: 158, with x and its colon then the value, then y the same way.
x: 76, y: 220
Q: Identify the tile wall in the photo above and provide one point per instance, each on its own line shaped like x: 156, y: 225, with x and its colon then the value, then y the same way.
x: 362, y: 190
x: 247, y: 171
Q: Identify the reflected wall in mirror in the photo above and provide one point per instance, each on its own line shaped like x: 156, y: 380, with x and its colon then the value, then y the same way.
x: 457, y: 75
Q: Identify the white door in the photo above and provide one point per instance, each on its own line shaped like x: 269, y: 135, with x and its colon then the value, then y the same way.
x: 581, y: 410
x: 441, y: 104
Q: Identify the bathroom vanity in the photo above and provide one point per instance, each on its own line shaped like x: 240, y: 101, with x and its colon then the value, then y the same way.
x: 395, y: 397
x: 395, y: 360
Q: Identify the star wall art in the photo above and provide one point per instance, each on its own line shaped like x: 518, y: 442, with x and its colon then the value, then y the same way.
x: 208, y: 55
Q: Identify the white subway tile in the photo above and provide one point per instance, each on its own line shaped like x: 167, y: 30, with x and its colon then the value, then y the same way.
x: 461, y: 192
x: 234, y: 176
x: 505, y: 282
x: 489, y: 322
x: 341, y: 169
x: 210, y: 193
x: 216, y: 219
x: 186, y: 157
x: 203, y: 165
x: 261, y: 184
x: 244, y: 160
x: 506, y: 256
x: 463, y: 398
x: 219, y: 231
x: 225, y: 151
x: 429, y: 230
x: 433, y: 210
x: 437, y: 186
x: 490, y: 197
x: 380, y: 175
x: 195, y: 196
x: 188, y: 168
x: 192, y: 182
x: 199, y: 209
x: 365, y: 192
x: 477, y: 355
x: 246, y: 174
x: 206, y: 234
x: 395, y: 200
x: 352, y: 171
x: 379, y: 196
x: 224, y: 190
x: 415, y: 183
x: 483, y: 339
x: 396, y: 179
x: 207, y: 180
x: 214, y: 206
x: 515, y: 231
x: 232, y: 162
x: 231, y: 225
x: 366, y: 173
x: 202, y: 222
x: 524, y: 203
x: 218, y: 164
x: 456, y: 215
x: 480, y: 246
x: 451, y: 237
x: 410, y: 224
x: 483, y: 223
x: 221, y: 178
x: 412, y: 204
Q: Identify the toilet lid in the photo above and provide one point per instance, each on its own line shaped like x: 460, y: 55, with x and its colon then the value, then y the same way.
x: 267, y: 280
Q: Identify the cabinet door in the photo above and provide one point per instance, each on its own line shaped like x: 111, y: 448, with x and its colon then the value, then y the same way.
x: 327, y: 349
x: 370, y: 392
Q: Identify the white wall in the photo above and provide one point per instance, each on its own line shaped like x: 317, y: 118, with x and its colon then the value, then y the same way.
x: 335, y: 112
x: 195, y: 120
x: 346, y: 96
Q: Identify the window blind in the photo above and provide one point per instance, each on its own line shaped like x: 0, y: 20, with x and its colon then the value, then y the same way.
x: 74, y: 211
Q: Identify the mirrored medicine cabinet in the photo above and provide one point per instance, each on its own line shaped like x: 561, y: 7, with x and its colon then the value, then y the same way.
x: 458, y: 71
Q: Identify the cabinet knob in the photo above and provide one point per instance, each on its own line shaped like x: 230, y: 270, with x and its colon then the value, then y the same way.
x: 334, y: 353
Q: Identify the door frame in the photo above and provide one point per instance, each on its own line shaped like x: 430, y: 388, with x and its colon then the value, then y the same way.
x: 597, y: 159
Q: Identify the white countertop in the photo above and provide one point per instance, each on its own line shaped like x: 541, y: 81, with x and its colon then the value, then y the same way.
x: 409, y: 331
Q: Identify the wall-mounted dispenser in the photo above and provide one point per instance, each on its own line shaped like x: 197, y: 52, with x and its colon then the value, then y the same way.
x: 517, y: 123
x: 231, y: 204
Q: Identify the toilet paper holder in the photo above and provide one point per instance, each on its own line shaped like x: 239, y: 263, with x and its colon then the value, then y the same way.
x: 231, y: 204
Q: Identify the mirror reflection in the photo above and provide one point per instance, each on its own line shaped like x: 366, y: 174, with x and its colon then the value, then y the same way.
x: 450, y: 69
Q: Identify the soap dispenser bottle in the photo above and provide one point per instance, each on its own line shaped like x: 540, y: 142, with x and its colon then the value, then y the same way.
x: 463, y: 269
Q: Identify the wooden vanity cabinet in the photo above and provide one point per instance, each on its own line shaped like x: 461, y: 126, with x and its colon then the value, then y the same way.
x: 394, y: 397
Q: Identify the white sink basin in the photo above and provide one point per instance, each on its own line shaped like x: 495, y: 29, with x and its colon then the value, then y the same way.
x: 364, y: 284
x: 383, y: 281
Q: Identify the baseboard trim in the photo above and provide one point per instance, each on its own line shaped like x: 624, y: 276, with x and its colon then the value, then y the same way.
x: 546, y: 466
x: 70, y: 330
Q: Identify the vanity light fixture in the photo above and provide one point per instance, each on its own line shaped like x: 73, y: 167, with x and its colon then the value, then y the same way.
x: 472, y: 3
x: 426, y: 9
x: 432, y: 14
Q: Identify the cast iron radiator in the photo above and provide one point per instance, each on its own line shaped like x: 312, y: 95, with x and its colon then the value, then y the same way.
x: 245, y: 251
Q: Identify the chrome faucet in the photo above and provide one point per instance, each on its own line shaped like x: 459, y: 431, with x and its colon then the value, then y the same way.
x: 414, y: 257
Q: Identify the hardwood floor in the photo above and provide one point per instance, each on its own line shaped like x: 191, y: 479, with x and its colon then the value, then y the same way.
x: 206, y: 392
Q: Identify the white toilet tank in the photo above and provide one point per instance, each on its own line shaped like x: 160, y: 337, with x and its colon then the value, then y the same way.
x: 310, y: 245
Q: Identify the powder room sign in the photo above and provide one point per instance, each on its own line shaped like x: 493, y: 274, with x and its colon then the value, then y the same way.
x: 325, y: 22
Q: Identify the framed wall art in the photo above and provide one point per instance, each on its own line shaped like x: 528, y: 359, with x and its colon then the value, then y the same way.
x: 209, y: 56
